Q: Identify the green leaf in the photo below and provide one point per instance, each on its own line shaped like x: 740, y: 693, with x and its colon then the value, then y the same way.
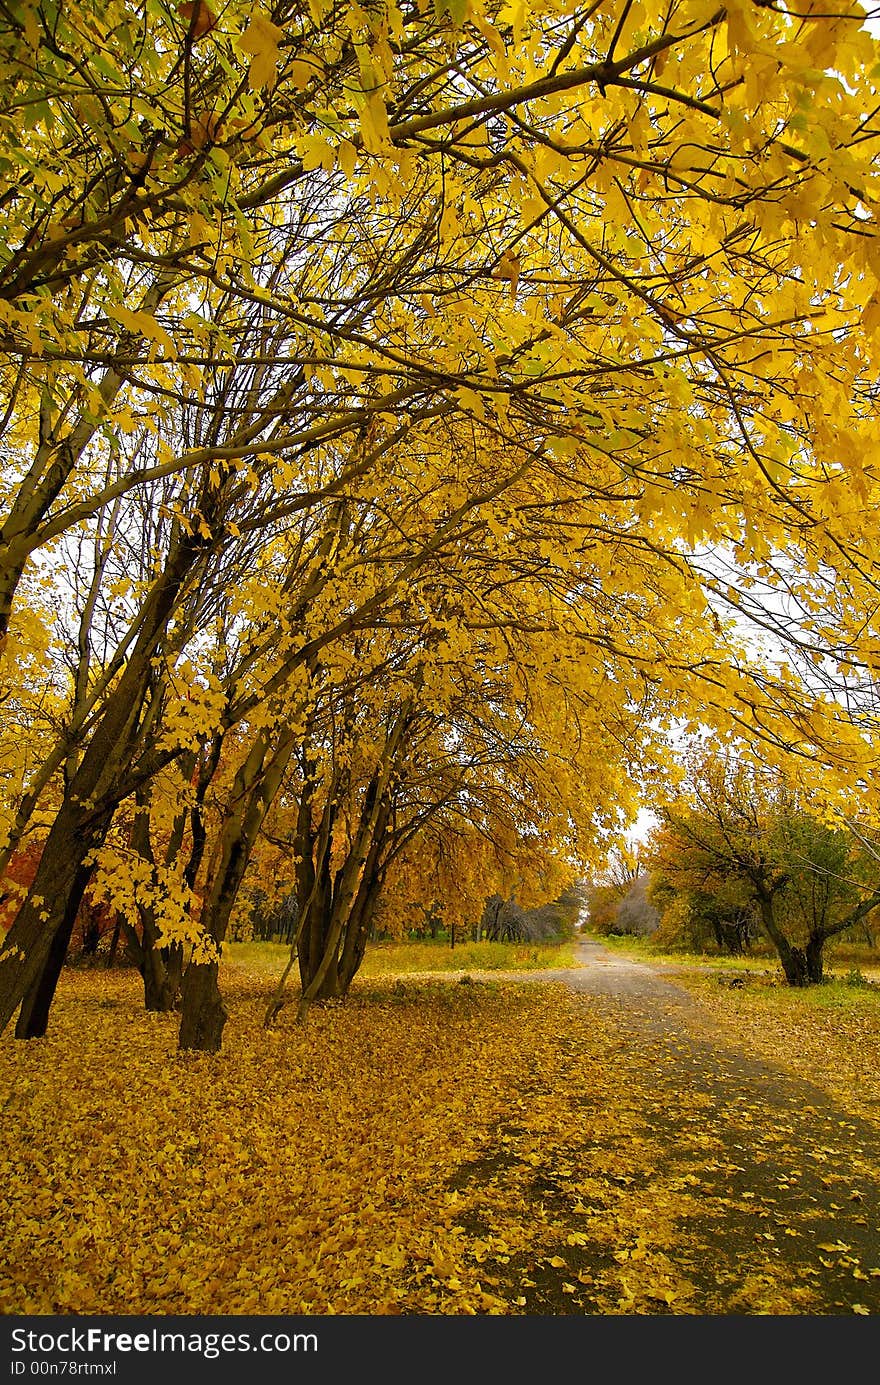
x: 456, y: 9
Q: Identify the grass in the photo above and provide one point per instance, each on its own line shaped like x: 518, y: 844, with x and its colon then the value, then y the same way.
x: 393, y: 957
x: 407, y: 958
x: 770, y: 994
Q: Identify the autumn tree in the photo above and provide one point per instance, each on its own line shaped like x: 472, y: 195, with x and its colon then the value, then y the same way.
x: 742, y: 833
x: 448, y: 773
x: 610, y: 887
x: 696, y: 905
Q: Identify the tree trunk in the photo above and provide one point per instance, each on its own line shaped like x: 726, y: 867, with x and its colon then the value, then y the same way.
x: 330, y: 987
x: 360, y: 925
x: 203, y: 1012
x: 80, y: 825
x: 91, y: 934
x: 254, y: 788
x: 160, y: 994
x: 114, y: 942
x: 33, y: 1017
x: 48, y: 913
x: 162, y: 972
x: 814, y: 959
x: 335, y: 902
x: 322, y: 976
x: 314, y: 886
x: 173, y: 957
x: 795, y: 965
x: 162, y: 967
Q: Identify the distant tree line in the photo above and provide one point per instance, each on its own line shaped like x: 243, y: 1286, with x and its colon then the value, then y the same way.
x: 502, y: 920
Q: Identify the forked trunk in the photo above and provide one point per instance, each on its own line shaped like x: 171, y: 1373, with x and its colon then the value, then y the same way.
x: 813, y: 954
x: 62, y: 874
x: 255, y: 786
x: 794, y: 966
x: 800, y: 966
x: 34, y: 949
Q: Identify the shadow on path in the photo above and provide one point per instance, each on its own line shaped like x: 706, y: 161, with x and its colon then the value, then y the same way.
x: 778, y: 1188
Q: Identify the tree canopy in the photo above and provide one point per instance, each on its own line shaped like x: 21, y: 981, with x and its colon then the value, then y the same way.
x: 415, y: 410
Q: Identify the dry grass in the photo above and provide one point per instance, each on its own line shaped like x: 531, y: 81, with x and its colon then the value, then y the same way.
x: 408, y: 958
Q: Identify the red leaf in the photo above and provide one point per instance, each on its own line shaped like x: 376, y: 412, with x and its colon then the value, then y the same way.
x: 205, y: 18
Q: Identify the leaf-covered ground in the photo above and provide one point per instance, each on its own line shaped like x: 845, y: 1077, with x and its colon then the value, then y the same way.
x: 829, y: 1034
x: 435, y: 1147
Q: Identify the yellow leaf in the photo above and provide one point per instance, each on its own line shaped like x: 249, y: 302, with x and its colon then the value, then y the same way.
x: 871, y: 314
x: 508, y: 268
x: 143, y: 325
x: 346, y: 157
x: 31, y: 28
x: 374, y: 123
x: 316, y: 153
x: 302, y: 71
x: 260, y: 39
x: 470, y: 400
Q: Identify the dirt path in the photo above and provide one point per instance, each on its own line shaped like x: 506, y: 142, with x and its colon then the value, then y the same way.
x: 783, y: 1185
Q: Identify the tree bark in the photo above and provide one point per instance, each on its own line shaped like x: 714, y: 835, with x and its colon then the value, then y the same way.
x: 48, y: 911
x: 330, y: 971
x: 793, y: 959
x: 203, y: 1012
x: 357, y: 932
x: 795, y: 966
x: 92, y: 795
x: 114, y: 942
x: 255, y: 786
x: 814, y: 959
x: 33, y: 1017
x: 162, y: 972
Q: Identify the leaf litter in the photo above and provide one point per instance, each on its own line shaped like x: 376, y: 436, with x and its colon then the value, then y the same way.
x: 428, y: 1147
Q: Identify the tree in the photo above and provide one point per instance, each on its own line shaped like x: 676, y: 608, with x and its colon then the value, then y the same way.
x: 635, y: 912
x: 742, y: 834
x: 607, y: 892
x: 695, y: 904
x: 441, y: 774
x: 326, y: 297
